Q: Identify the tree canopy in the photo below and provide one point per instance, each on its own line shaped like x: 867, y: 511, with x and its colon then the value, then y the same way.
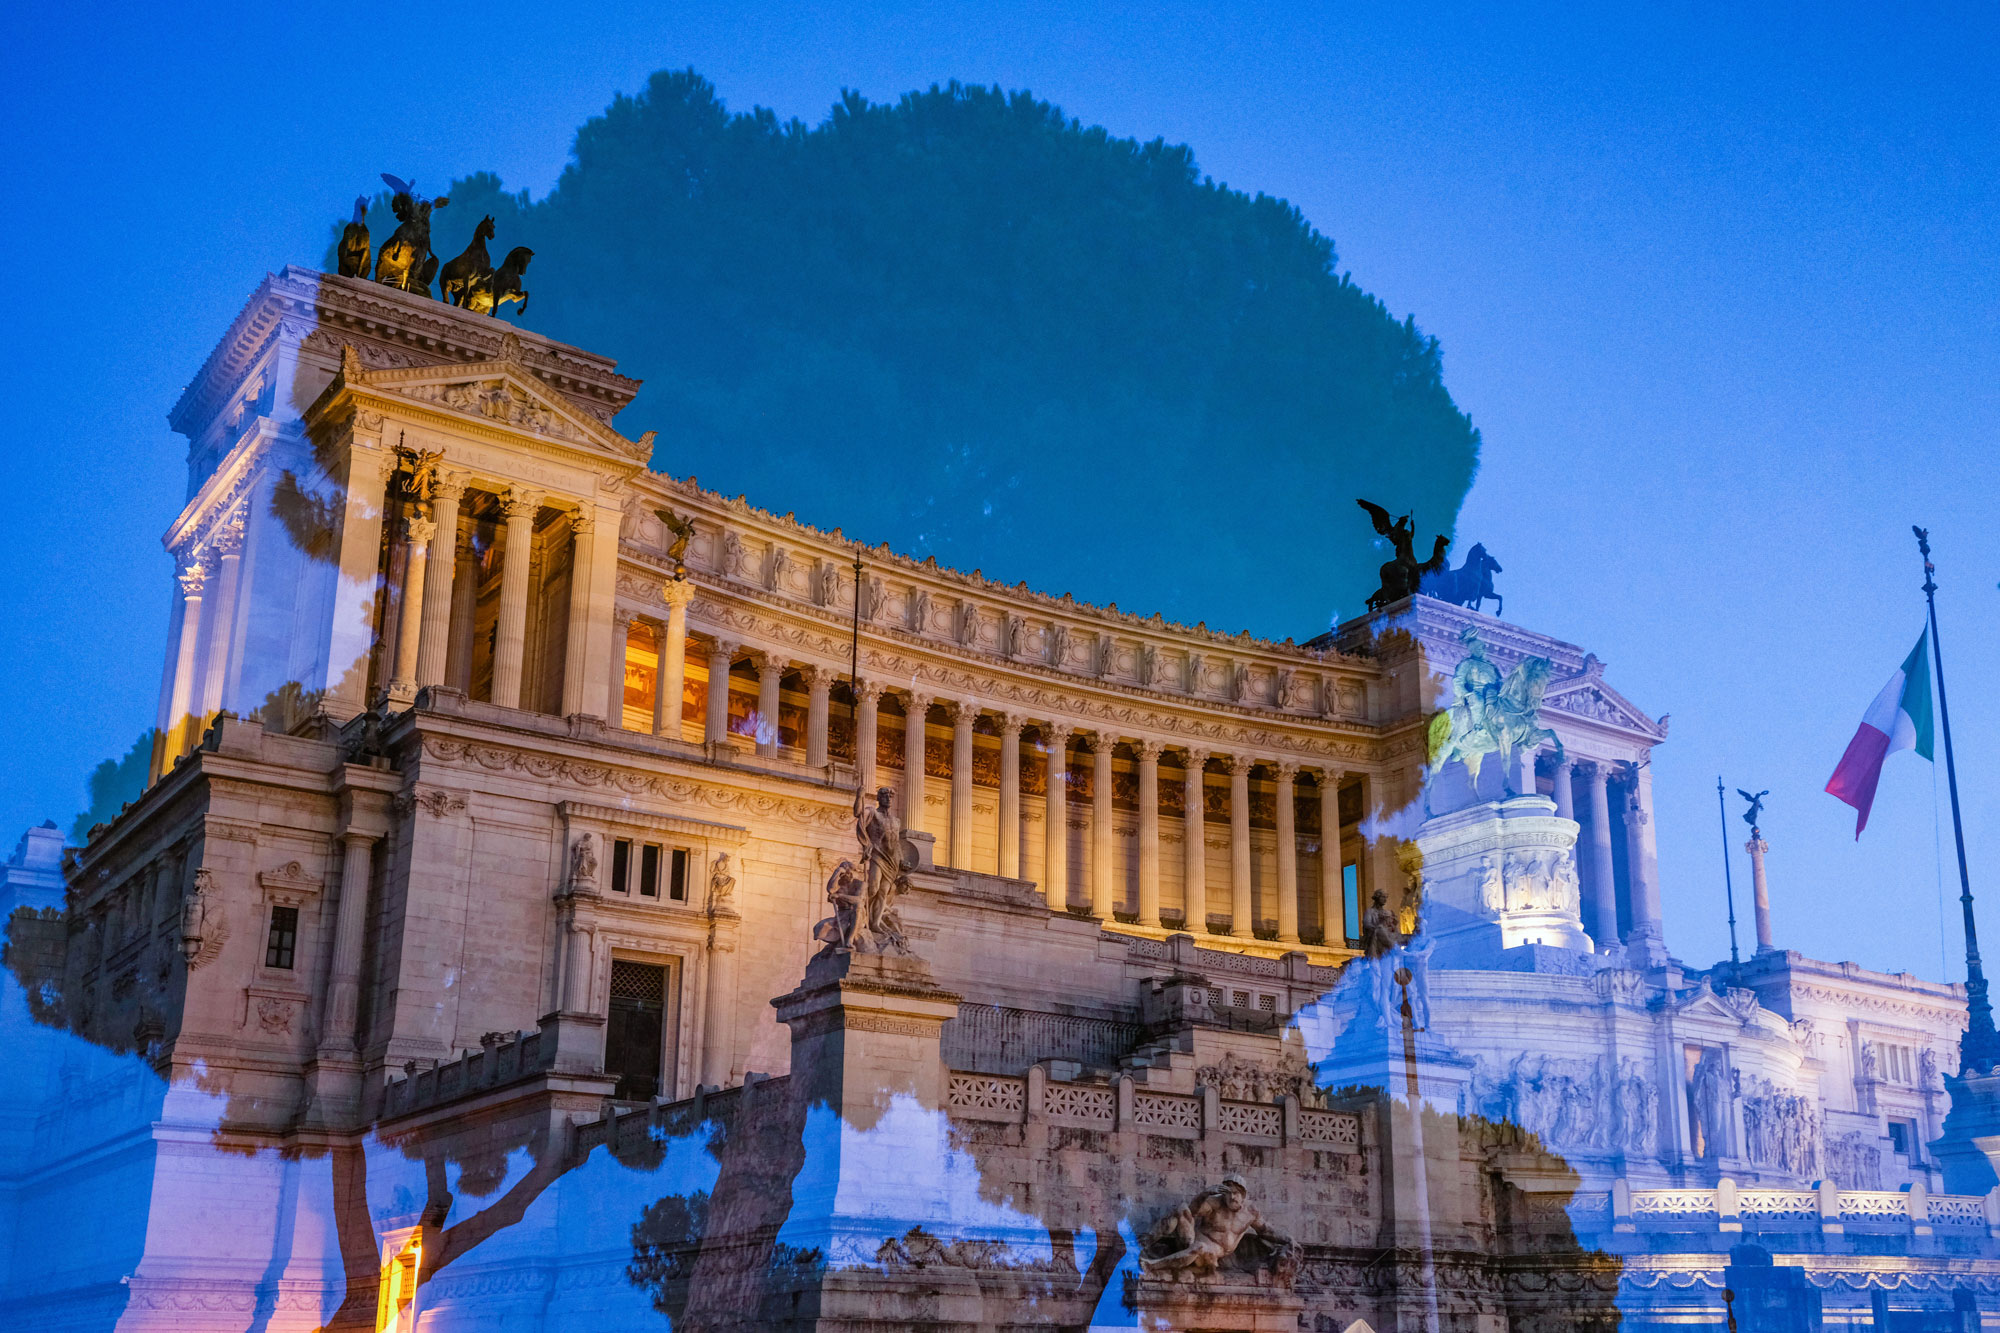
x: 971, y: 327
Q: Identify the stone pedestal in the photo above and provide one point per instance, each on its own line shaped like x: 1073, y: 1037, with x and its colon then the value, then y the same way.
x: 1499, y: 875
x: 1969, y: 1147
x: 1247, y: 1306
x: 578, y: 1040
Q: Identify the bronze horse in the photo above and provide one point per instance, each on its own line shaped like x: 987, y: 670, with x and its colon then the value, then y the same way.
x: 1468, y: 585
x: 406, y: 261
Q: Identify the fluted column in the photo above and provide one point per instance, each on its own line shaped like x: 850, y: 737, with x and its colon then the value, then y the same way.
x: 1102, y: 900
x: 510, y: 633
x: 917, y: 709
x: 867, y: 697
x: 1288, y: 853
x: 770, y: 674
x: 1642, y: 866
x: 1055, y: 817
x: 351, y: 919
x: 434, y: 644
x: 1149, y: 831
x: 1194, y: 844
x: 1242, y: 923
x: 670, y: 681
x: 410, y: 620
x: 1603, y: 883
x: 1332, y: 907
x: 1565, y: 788
x: 227, y: 544
x: 715, y: 730
x: 621, y: 652
x: 583, y: 538
x: 464, y: 612
x: 182, y: 725
x: 819, y: 688
x: 963, y: 716
x: 1010, y: 794
x: 1760, y: 892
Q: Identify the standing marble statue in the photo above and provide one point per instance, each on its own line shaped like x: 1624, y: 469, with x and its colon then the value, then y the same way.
x: 1711, y: 1103
x: 721, y: 884
x: 865, y: 919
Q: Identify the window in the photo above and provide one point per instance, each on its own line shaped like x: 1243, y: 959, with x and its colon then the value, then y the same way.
x: 621, y: 864
x: 284, y: 938
x: 649, y: 870
x: 1901, y: 1134
x: 1350, y: 890
x: 677, y: 880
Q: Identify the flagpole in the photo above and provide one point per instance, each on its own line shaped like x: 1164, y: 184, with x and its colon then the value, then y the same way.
x: 1980, y: 1048
x: 1728, y: 883
x: 854, y: 676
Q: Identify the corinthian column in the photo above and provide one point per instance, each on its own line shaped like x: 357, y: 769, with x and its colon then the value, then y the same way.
x: 1102, y: 899
x: 670, y: 681
x: 1288, y: 853
x: 621, y: 653
x: 715, y: 730
x: 963, y: 715
x: 1010, y: 794
x: 770, y: 675
x: 434, y: 643
x: 1603, y: 883
x: 819, y: 687
x: 1565, y: 789
x: 410, y: 620
x: 1055, y: 817
x: 917, y: 709
x: 344, y: 974
x: 1149, y: 832
x: 1194, y: 844
x: 510, y: 633
x: 227, y: 544
x: 1332, y: 910
x: 181, y: 725
x: 583, y: 538
x: 1242, y: 923
x: 1642, y: 866
x: 867, y: 698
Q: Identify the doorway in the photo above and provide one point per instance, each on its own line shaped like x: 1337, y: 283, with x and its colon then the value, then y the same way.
x: 635, y: 1039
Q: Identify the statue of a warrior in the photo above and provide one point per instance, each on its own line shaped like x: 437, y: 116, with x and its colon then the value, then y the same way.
x: 1404, y: 574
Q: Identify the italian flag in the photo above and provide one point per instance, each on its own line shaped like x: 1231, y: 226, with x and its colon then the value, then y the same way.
x: 1899, y: 719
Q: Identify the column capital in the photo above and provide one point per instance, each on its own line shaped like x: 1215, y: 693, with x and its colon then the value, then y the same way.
x: 1056, y: 733
x: 1011, y: 724
x: 1194, y: 759
x: 917, y: 703
x: 1240, y: 765
x: 193, y: 574
x: 817, y: 677
x: 767, y: 661
x: 1100, y: 741
x: 449, y: 484
x: 1327, y: 775
x: 582, y: 522
x: 867, y: 691
x: 677, y: 591
x: 722, y: 648
x: 227, y: 536
x: 520, y: 501
x: 1149, y: 750
x: 962, y: 712
x: 622, y: 617
x: 419, y: 531
x: 1288, y: 770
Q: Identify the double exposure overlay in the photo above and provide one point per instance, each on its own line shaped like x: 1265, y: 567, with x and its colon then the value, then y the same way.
x: 556, y: 894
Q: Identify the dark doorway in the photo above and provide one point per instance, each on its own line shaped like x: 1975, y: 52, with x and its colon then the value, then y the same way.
x: 637, y: 1030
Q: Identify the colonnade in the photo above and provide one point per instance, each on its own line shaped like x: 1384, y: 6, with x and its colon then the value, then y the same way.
x: 1632, y: 805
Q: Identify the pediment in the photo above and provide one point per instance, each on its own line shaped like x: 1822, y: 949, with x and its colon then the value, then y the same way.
x: 501, y: 391
x: 1736, y: 1006
x: 1587, y: 696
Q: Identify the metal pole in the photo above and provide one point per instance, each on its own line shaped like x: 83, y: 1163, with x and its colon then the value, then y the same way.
x: 1728, y: 883
x: 854, y: 676
x: 1980, y: 1048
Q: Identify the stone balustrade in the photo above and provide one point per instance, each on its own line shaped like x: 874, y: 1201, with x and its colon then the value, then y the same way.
x: 1729, y: 1207
x: 1122, y: 1105
x: 502, y: 1058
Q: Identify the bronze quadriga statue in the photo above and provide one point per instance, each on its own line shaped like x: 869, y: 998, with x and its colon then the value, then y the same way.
x: 406, y: 261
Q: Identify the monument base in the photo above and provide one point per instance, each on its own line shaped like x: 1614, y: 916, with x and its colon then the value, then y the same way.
x: 1216, y: 1303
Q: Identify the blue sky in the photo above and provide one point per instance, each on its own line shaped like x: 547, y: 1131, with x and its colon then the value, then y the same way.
x: 1717, y: 283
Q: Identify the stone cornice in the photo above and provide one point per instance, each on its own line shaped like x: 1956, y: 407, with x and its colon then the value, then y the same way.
x: 291, y: 306
x: 728, y: 835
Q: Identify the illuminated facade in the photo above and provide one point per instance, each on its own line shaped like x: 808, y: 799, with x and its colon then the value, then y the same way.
x: 487, y: 831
